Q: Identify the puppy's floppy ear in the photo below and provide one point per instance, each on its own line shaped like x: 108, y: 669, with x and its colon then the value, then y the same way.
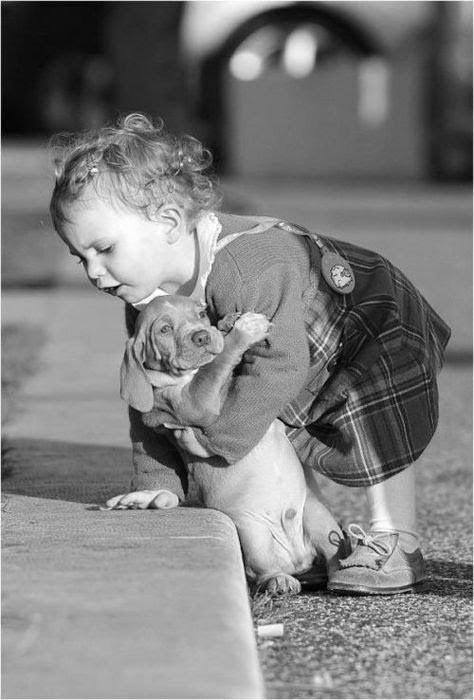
x: 135, y: 388
x: 151, y: 340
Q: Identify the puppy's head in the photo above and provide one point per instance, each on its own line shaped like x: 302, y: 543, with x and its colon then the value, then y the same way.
x: 173, y: 334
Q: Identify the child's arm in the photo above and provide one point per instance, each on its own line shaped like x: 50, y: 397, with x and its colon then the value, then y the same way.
x: 156, y: 461
x: 273, y: 372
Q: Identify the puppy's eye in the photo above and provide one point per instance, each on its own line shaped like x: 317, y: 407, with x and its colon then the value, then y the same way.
x: 166, y: 329
x: 202, y: 314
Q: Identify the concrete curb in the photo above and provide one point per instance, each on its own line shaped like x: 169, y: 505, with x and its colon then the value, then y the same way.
x: 135, y: 604
x: 124, y: 605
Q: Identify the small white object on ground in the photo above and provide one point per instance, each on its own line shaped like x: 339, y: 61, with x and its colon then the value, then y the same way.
x: 323, y: 680
x: 267, y: 631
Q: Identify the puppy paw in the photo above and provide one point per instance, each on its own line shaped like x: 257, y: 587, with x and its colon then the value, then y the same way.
x: 228, y: 322
x: 141, y: 500
x: 251, y: 328
x: 280, y: 584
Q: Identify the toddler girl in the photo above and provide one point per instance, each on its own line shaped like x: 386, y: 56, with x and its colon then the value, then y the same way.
x: 351, y: 363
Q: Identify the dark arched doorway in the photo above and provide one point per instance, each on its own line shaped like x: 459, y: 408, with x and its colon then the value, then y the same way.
x: 269, y: 33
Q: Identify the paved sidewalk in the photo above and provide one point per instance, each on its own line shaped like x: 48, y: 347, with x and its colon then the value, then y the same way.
x: 105, y: 604
x: 148, y: 605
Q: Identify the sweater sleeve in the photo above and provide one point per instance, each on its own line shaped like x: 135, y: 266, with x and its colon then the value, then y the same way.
x: 271, y: 373
x: 156, y: 461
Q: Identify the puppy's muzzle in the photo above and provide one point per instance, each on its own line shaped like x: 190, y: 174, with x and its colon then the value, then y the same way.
x: 201, y: 338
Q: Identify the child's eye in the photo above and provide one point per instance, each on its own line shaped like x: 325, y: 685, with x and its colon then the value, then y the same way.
x: 108, y: 249
x: 202, y: 314
x: 166, y: 329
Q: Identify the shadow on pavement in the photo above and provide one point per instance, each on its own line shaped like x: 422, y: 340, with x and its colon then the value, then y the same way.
x: 65, y: 471
x: 449, y: 578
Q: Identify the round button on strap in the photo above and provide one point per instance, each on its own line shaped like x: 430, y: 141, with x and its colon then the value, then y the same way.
x: 337, y: 272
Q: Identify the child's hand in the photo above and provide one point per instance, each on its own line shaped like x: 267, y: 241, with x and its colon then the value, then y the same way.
x: 187, y: 440
x: 141, y: 500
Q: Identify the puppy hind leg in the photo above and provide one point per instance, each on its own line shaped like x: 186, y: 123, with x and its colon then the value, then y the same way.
x: 279, y: 584
x: 262, y: 566
x: 321, y: 527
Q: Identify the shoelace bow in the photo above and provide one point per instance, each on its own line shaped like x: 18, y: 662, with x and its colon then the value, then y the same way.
x: 371, y: 541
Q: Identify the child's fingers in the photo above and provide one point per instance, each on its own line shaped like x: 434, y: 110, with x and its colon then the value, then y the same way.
x: 165, y: 499
x: 113, y: 502
x: 137, y: 499
x: 140, y: 500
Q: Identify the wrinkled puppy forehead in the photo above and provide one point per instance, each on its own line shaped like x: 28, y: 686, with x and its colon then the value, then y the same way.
x: 182, y: 305
x: 172, y: 305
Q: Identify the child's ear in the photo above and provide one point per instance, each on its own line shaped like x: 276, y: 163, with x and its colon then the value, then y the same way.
x: 174, y: 220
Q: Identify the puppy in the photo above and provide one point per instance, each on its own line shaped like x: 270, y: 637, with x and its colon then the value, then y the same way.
x: 176, y: 371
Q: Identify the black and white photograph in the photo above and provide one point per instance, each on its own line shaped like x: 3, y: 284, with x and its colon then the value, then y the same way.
x: 237, y: 453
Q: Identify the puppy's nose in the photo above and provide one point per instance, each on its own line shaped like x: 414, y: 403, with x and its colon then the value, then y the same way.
x: 201, y: 338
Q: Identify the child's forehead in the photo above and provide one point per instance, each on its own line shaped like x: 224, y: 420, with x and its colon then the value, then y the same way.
x: 83, y: 219
x: 91, y: 202
x: 91, y: 210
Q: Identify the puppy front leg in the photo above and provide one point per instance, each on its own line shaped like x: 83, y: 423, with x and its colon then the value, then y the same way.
x: 200, y: 402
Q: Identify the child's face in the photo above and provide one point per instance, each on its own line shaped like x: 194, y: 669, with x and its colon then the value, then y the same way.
x: 123, y: 253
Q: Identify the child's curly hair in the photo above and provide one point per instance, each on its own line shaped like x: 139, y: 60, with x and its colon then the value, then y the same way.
x: 135, y: 162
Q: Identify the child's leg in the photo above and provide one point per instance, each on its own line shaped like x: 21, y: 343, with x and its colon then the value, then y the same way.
x: 392, y: 507
x: 386, y: 559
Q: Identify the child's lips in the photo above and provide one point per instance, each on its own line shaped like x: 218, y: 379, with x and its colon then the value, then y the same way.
x: 111, y: 290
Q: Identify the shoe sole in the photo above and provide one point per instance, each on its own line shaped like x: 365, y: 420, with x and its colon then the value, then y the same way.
x: 316, y: 583
x: 308, y: 585
x: 348, y: 589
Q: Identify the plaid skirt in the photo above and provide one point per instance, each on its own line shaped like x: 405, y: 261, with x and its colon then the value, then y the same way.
x: 370, y: 405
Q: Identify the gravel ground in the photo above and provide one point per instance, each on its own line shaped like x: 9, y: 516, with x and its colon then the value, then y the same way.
x: 405, y: 646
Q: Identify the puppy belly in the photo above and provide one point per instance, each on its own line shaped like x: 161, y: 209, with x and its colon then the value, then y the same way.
x: 264, y: 494
x: 269, y: 477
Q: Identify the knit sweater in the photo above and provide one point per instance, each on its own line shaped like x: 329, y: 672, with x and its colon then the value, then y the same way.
x: 350, y: 400
x: 266, y: 273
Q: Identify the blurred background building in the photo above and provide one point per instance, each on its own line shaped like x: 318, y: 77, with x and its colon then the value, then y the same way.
x: 316, y: 89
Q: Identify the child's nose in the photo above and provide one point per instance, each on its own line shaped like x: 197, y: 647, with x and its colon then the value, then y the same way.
x: 95, y: 269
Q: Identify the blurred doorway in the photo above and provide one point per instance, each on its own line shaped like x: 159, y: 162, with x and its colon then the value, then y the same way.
x: 302, y: 90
